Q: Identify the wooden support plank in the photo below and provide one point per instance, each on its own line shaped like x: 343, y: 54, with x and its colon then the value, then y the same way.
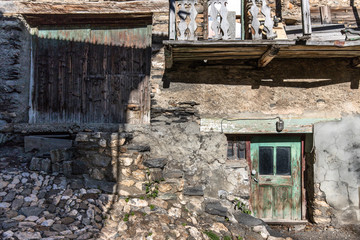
x: 306, y: 18
x: 172, y: 22
x: 206, y: 20
x: 269, y: 55
x: 325, y: 13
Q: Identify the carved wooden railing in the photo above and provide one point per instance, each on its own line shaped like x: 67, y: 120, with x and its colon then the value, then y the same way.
x: 186, y: 11
x: 184, y: 19
x: 258, y: 29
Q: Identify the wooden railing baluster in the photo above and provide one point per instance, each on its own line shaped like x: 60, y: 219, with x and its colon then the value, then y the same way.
x: 224, y: 20
x: 184, y: 12
x: 192, y: 24
x: 255, y: 23
x: 215, y: 26
x: 182, y: 25
x: 269, y: 23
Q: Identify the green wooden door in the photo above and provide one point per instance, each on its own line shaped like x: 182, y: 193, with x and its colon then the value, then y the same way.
x: 276, y: 181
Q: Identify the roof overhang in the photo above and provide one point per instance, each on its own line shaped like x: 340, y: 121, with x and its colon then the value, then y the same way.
x: 263, y: 50
x: 55, y: 13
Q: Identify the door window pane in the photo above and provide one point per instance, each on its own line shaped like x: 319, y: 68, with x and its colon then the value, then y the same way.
x: 283, y: 157
x: 230, y: 151
x: 266, y: 158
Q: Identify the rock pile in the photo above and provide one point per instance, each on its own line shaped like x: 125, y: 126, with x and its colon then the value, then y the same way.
x: 42, y: 206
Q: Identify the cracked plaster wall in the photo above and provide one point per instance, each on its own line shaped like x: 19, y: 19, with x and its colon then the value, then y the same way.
x: 337, y: 169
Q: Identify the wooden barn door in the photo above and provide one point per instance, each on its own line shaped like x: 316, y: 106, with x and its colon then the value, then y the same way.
x: 276, y: 177
x: 91, y: 75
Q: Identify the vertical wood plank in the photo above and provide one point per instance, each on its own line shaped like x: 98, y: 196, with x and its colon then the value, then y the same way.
x: 172, y: 21
x: 325, y: 14
x: 306, y: 18
x: 206, y: 20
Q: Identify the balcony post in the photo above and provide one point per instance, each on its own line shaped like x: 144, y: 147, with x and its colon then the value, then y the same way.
x: 172, y: 21
x: 306, y: 18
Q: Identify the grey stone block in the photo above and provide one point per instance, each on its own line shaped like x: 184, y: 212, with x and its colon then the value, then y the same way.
x: 35, y: 164
x: 45, y: 144
x: 194, y: 191
x: 67, y: 168
x: 60, y: 155
x: 168, y: 196
x: 173, y: 174
x: 155, y: 162
x: 103, y: 185
x: 57, y: 168
x: 100, y: 160
x: 247, y: 219
x: 156, y: 174
x: 9, y: 224
x: 46, y: 165
x: 31, y: 211
x: 79, y: 167
x: 139, y: 148
x: 215, y: 208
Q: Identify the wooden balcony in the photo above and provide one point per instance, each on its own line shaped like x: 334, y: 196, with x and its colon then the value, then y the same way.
x: 215, y: 30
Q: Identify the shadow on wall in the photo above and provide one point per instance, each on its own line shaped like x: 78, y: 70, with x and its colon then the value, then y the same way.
x: 294, y: 73
x: 90, y: 75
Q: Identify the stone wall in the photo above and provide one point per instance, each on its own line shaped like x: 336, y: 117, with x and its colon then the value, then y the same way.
x: 337, y: 166
x: 171, y: 161
x: 14, y: 73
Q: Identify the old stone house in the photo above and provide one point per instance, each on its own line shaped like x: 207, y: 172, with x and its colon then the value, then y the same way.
x: 214, y: 105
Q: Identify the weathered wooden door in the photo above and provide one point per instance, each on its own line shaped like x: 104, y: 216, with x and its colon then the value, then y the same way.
x: 276, y: 177
x: 91, y: 74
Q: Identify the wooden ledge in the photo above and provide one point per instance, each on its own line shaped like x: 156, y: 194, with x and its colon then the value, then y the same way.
x: 130, y: 7
x: 263, y: 50
x: 285, y: 222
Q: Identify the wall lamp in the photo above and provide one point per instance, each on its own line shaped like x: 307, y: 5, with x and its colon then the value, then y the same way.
x: 279, y: 124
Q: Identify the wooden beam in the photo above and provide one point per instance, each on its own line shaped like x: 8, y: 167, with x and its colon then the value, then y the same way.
x: 133, y: 7
x: 269, y: 55
x: 306, y: 18
x: 325, y: 12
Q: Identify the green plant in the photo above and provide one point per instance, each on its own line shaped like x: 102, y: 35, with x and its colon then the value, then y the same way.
x: 132, y: 213
x: 126, y: 218
x: 227, y: 238
x: 211, y: 235
x: 144, y: 214
x: 240, y: 238
x: 127, y: 199
x: 150, y: 233
x: 184, y: 224
x: 227, y: 219
x: 152, y: 189
x: 239, y: 205
x: 152, y: 207
x: 142, y: 197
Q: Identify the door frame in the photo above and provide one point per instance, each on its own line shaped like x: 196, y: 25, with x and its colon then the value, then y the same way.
x: 248, y: 138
